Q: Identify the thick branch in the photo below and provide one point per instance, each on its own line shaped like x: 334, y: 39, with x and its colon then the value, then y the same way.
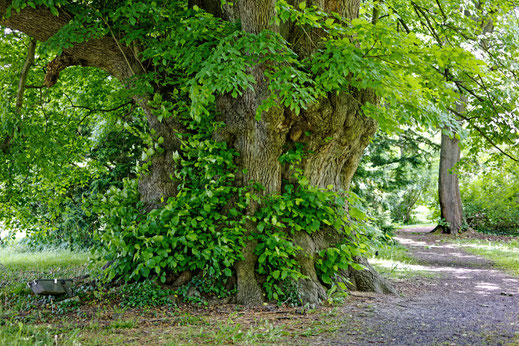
x: 103, y: 53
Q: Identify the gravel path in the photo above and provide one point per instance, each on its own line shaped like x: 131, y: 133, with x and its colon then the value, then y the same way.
x: 468, y: 303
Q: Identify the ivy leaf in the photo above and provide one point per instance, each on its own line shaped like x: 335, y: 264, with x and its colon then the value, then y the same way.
x: 357, y: 213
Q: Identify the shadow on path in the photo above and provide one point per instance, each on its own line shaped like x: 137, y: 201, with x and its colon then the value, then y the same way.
x: 470, y: 303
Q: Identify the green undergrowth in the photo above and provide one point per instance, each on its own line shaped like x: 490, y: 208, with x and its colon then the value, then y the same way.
x: 133, y: 313
x: 504, y: 254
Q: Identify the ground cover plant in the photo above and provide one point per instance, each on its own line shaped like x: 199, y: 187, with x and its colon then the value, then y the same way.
x: 132, y: 313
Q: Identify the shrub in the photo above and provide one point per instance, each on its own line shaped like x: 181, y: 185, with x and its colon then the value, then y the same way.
x: 491, y: 200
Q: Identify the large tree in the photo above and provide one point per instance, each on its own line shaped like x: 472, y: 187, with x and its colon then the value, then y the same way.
x: 258, y: 113
x: 451, y: 207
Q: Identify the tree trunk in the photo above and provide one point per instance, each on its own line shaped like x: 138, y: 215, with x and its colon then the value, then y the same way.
x: 339, y: 135
x: 451, y: 206
x: 448, y: 187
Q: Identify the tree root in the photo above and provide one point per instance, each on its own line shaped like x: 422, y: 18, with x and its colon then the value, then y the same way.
x: 367, y: 279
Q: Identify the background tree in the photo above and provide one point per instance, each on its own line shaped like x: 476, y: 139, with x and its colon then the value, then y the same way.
x: 61, y: 146
x: 394, y: 175
x: 469, y: 86
x: 490, y: 192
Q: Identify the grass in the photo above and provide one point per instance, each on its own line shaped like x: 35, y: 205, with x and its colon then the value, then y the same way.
x: 247, y: 327
x: 394, y: 262
x: 417, y: 225
x: 100, y: 318
x: 504, y: 254
x: 20, y: 258
x: 25, y: 334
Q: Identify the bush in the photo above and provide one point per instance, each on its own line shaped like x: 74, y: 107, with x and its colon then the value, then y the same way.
x: 491, y: 200
x: 145, y: 294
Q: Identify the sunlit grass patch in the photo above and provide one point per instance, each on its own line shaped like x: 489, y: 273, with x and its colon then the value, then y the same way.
x: 19, y: 265
x: 395, y: 262
x: 504, y: 254
x: 22, y: 259
x: 418, y: 225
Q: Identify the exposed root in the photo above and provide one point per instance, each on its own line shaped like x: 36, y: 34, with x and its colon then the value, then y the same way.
x: 367, y: 279
x: 310, y: 289
x: 249, y: 291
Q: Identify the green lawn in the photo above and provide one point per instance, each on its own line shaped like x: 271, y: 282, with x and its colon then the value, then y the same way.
x: 395, y: 262
x: 504, y: 254
x: 18, y: 306
x: 19, y: 265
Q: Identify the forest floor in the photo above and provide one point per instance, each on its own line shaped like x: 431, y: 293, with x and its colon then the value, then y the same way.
x: 468, y: 302
x: 447, y: 296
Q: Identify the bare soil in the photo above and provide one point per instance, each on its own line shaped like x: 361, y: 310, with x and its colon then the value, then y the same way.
x: 469, y: 303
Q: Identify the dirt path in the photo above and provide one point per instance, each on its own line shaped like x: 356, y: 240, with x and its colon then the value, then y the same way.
x: 468, y: 303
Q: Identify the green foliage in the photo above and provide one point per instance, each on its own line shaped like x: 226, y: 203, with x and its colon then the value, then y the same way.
x: 304, y: 208
x: 395, y: 175
x: 66, y: 220
x: 490, y: 197
x: 65, y: 149
x: 144, y: 294
x: 201, y: 229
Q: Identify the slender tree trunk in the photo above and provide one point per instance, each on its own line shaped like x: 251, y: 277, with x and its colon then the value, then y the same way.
x: 451, y: 206
x: 448, y: 187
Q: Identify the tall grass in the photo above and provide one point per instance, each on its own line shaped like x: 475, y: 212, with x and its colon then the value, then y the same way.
x: 21, y: 258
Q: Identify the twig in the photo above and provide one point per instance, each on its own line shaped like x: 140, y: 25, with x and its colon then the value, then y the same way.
x: 102, y: 110
x: 484, y: 135
x: 441, y: 10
